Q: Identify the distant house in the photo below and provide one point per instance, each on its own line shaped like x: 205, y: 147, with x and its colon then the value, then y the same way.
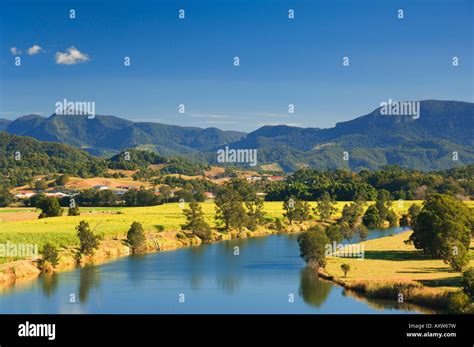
x: 120, y: 192
x: 24, y: 195
x: 276, y: 178
x: 209, y: 195
x: 254, y: 178
x: 101, y: 187
x: 58, y: 195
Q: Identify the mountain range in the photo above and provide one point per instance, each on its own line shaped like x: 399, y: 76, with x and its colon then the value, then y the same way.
x: 443, y: 132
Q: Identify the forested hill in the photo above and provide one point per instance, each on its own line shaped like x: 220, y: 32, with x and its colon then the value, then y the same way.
x: 374, y: 140
x: 440, y: 138
x: 22, y: 158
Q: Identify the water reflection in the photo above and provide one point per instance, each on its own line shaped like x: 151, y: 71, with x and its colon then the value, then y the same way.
x: 135, y: 269
x: 264, y: 271
x: 196, y: 260
x: 313, y: 290
x: 88, y: 278
x: 49, y: 284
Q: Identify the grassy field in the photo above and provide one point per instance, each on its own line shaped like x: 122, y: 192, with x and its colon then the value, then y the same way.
x: 390, y: 259
x: 19, y: 225
x: 22, y: 226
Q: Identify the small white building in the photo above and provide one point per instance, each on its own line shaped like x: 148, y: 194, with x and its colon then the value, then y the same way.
x: 24, y: 195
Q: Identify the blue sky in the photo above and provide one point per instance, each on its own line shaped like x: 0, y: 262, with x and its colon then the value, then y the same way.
x: 190, y: 61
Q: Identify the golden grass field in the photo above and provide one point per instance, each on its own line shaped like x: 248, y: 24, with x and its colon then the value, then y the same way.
x: 20, y: 225
x: 391, y: 260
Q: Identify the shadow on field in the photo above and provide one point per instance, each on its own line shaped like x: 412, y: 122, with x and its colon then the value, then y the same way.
x: 427, y: 270
x: 395, y: 255
x: 442, y: 282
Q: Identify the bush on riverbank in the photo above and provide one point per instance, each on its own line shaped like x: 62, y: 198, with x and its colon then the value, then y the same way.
x: 136, y: 237
x: 402, y: 291
x: 50, y: 258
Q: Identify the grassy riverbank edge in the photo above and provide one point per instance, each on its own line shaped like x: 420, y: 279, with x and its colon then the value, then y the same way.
x: 411, y: 291
x: 113, y: 249
x: 396, y: 271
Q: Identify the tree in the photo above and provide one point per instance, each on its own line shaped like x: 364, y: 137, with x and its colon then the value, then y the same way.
x: 196, y: 222
x: 371, y: 217
x: 6, y: 198
x: 405, y: 220
x: 49, y: 207
x: 459, y: 303
x: 345, y: 268
x: 50, y: 255
x: 312, y: 245
x: 326, y: 207
x: 414, y: 211
x: 73, y: 211
x: 352, y: 213
x: 165, y: 192
x: 229, y: 208
x: 279, y: 225
x: 255, y: 213
x: 88, y: 242
x: 363, y: 232
x: 392, y: 218
x: 136, y: 237
x: 383, y: 204
x: 409, y: 217
x: 456, y: 255
x: 334, y: 233
x: 62, y: 180
x: 296, y: 210
x: 467, y: 283
x: 346, y: 231
x: 443, y: 229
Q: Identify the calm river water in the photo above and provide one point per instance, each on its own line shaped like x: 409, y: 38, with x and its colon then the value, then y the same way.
x: 267, y: 276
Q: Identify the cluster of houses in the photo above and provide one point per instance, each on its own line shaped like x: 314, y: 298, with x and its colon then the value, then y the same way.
x: 119, y: 191
x: 265, y: 178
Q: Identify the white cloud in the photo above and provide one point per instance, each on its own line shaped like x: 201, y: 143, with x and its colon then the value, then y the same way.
x: 15, y: 51
x: 211, y: 116
x: 73, y: 56
x: 35, y: 49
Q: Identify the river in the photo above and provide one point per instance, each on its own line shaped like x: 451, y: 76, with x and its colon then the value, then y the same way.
x: 266, y: 276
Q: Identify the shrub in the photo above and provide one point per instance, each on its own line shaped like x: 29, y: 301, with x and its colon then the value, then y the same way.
x: 467, y: 283
x: 334, y: 233
x: 363, y: 232
x: 279, y: 225
x: 159, y: 228
x: 87, y: 240
x: 49, y: 207
x: 196, y: 223
x: 392, y: 218
x: 345, y: 268
x: 371, y: 217
x: 136, y: 236
x: 50, y: 255
x: 312, y: 245
x: 180, y: 236
x: 459, y: 303
x: 73, y: 211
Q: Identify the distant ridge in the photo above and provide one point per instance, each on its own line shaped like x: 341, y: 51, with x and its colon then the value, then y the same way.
x: 371, y: 141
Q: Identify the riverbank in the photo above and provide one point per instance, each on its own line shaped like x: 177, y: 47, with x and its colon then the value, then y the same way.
x: 115, y: 247
x: 394, y: 270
